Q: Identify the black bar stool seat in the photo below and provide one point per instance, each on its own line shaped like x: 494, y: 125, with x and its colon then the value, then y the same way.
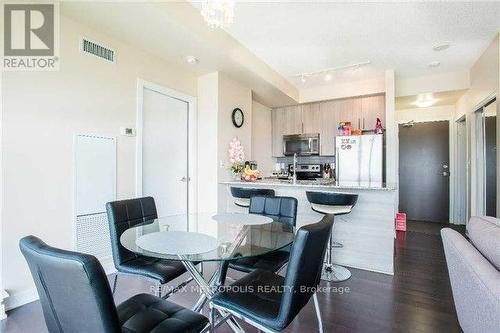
x: 242, y: 195
x: 332, y: 204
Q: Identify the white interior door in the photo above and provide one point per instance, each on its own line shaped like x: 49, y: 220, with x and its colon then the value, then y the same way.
x: 165, y: 152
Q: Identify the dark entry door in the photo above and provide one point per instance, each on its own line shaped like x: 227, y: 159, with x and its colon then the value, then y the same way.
x: 490, y: 135
x: 424, y: 171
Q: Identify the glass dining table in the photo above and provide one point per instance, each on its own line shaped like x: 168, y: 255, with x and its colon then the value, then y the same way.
x: 208, y: 237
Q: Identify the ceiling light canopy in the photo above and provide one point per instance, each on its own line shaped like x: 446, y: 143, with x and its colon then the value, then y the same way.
x: 434, y: 64
x: 192, y: 60
x: 441, y: 46
x: 218, y: 13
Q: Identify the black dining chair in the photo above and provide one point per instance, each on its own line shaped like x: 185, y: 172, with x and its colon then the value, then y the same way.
x: 269, y: 301
x: 125, y: 214
x: 280, y: 209
x: 76, y: 297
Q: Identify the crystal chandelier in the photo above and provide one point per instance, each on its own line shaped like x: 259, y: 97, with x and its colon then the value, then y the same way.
x: 218, y: 13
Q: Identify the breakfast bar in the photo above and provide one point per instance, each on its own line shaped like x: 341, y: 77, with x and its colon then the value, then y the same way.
x: 367, y: 233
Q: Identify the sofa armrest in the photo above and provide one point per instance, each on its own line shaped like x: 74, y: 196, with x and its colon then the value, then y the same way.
x: 475, y: 284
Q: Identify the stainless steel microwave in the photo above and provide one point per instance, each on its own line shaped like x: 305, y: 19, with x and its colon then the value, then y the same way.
x: 301, y: 144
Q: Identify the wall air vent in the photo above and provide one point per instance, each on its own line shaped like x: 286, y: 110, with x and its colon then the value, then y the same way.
x: 90, y: 47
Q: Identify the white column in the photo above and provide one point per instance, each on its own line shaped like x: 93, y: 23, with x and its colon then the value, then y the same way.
x: 391, y: 129
x: 208, y: 109
x: 3, y: 294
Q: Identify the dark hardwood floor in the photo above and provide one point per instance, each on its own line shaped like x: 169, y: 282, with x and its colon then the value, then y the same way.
x: 417, y: 298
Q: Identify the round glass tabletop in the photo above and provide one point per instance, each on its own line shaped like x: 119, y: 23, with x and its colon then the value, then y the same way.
x: 209, y: 237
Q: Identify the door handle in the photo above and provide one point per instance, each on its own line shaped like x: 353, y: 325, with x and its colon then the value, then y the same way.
x: 185, y: 179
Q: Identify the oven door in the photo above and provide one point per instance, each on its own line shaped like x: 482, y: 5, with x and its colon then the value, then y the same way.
x: 300, y: 145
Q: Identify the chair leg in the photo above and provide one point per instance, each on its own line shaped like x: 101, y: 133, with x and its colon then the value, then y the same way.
x: 115, y: 280
x: 318, y: 313
x: 157, y: 290
x: 212, y: 319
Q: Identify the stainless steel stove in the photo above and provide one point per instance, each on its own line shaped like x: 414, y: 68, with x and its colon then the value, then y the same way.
x: 307, y: 171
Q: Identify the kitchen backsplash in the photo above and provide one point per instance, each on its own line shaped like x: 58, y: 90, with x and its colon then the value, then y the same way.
x: 307, y: 159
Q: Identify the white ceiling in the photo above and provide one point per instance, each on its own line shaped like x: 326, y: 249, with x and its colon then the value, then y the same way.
x: 297, y: 37
x: 174, y: 30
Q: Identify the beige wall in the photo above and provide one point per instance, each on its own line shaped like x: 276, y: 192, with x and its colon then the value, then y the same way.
x: 42, y: 111
x: 218, y: 95
x: 484, y: 76
x: 433, y: 113
x: 233, y: 95
x: 343, y: 90
x: 262, y: 151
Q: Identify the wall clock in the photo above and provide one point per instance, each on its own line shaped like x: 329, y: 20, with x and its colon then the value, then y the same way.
x: 238, y: 117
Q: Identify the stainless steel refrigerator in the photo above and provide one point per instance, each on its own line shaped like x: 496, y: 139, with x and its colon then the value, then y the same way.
x: 358, y: 160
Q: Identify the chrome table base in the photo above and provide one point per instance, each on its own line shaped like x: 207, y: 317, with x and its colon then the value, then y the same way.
x: 208, y: 290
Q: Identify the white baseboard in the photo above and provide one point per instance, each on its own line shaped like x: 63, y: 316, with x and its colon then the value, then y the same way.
x: 3, y: 297
x: 20, y: 298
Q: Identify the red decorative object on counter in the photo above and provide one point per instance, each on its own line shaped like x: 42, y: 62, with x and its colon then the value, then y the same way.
x: 400, y: 221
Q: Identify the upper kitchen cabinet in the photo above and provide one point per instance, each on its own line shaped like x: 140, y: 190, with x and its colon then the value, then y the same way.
x: 330, y: 118
x: 293, y: 120
x: 349, y: 109
x: 311, y: 118
x: 297, y: 119
x: 278, y: 130
x: 372, y: 107
x: 324, y: 117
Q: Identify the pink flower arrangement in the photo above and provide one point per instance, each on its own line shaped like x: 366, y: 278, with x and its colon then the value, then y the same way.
x: 236, y: 155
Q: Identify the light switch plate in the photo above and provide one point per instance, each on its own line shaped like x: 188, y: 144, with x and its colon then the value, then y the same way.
x: 127, y: 131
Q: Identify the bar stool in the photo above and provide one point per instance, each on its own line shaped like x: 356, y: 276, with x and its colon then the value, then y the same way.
x: 242, y: 195
x: 332, y: 204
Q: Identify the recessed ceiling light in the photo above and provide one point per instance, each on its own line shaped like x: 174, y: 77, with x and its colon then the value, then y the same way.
x: 434, y: 64
x: 192, y: 60
x: 328, y: 77
x: 441, y: 46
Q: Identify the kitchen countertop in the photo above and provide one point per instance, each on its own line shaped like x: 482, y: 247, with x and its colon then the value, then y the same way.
x: 321, y: 183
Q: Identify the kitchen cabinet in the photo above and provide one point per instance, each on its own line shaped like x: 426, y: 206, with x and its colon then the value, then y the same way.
x: 293, y: 120
x: 324, y: 117
x: 278, y: 130
x: 297, y: 119
x: 311, y: 118
x: 372, y: 107
x: 330, y: 118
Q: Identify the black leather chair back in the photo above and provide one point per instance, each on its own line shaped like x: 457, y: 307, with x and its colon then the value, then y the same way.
x: 282, y: 209
x: 247, y: 193
x: 304, y: 267
x: 124, y: 214
x: 332, y: 199
x: 73, y: 289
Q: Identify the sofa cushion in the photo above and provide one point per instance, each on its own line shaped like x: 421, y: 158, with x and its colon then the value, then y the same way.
x: 484, y: 233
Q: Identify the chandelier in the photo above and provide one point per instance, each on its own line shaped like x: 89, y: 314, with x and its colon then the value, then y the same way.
x: 218, y: 13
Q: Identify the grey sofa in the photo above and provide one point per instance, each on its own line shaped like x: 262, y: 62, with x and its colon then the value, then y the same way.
x: 474, y: 269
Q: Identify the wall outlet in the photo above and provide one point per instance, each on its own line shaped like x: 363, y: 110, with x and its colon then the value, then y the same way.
x: 127, y: 131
